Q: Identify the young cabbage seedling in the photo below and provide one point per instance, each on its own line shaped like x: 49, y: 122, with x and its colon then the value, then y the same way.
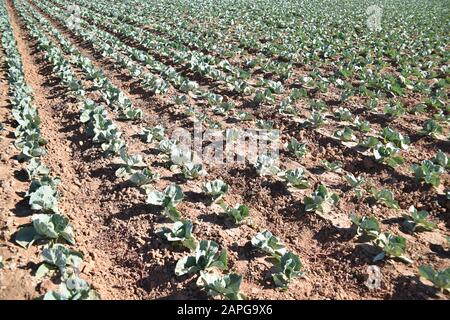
x: 363, y: 126
x: 244, y: 116
x: 44, y: 198
x: 345, y: 134
x: 223, y: 108
x: 131, y: 163
x: 297, y: 149
x: 179, y: 156
x: 73, y: 289
x: 441, y: 159
x: 441, y: 279
x: 388, y: 154
x: 215, y: 189
x: 318, y: 105
x: 287, y: 109
x: 36, y: 169
x: 394, y: 109
x: 206, y: 256
x: 151, y: 134
x: 264, y: 124
x: 180, y: 233
x: 130, y: 113
x: 262, y: 97
x: 432, y: 128
x: 392, y: 246
x: 428, y: 172
x: 180, y: 100
x: 57, y: 256
x: 390, y: 135
x: 226, y: 286
x: 417, y: 220
x: 144, y: 177
x: 321, y: 200
x: 295, y: 178
x: 357, y: 183
x: 343, y: 114
x: 368, y: 226
x: 316, y: 120
x: 54, y: 227
x: 335, y: 166
x: 193, y: 170
x: 240, y: 212
x: 266, y: 242
x: 370, y: 142
x: 290, y: 266
x: 265, y: 165
x: 165, y: 146
x: 385, y: 197
x: 168, y: 199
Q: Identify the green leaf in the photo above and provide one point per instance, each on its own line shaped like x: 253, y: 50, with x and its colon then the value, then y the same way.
x: 171, y: 196
x: 296, y: 178
x: 144, y: 177
x: 268, y: 243
x: 290, y: 266
x: 320, y: 200
x: 386, y: 197
x: 366, y: 226
x: 73, y: 289
x: 53, y: 226
x: 392, y: 246
x: 193, y: 170
x: 266, y: 165
x: 216, y: 189
x: 416, y: 220
x: 206, y: 256
x: 44, y: 199
x: 440, y: 279
x: 180, y: 232
x: 239, y: 212
x: 26, y: 236
x: 226, y: 286
x: 296, y: 148
x: 43, y: 270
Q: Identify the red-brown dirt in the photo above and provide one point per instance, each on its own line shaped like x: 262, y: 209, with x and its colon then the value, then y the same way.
x: 115, y: 229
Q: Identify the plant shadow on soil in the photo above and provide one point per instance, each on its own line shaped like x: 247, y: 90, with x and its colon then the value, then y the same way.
x: 106, y: 172
x: 217, y: 219
x: 196, y: 197
x: 30, y: 266
x: 246, y: 252
x: 361, y: 255
x: 293, y: 210
x: 410, y: 287
x: 176, y: 178
x: 440, y: 251
x: 330, y: 234
x: 188, y: 291
x: 22, y: 208
x: 134, y: 211
x: 21, y: 175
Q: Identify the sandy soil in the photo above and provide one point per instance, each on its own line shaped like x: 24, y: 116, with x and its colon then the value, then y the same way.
x: 115, y: 229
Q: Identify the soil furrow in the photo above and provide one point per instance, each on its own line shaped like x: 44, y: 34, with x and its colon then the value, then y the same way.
x: 68, y: 149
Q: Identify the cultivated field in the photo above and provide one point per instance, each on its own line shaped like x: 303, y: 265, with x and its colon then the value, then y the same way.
x: 224, y: 149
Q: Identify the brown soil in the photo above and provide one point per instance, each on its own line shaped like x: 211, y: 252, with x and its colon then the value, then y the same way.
x: 115, y: 229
